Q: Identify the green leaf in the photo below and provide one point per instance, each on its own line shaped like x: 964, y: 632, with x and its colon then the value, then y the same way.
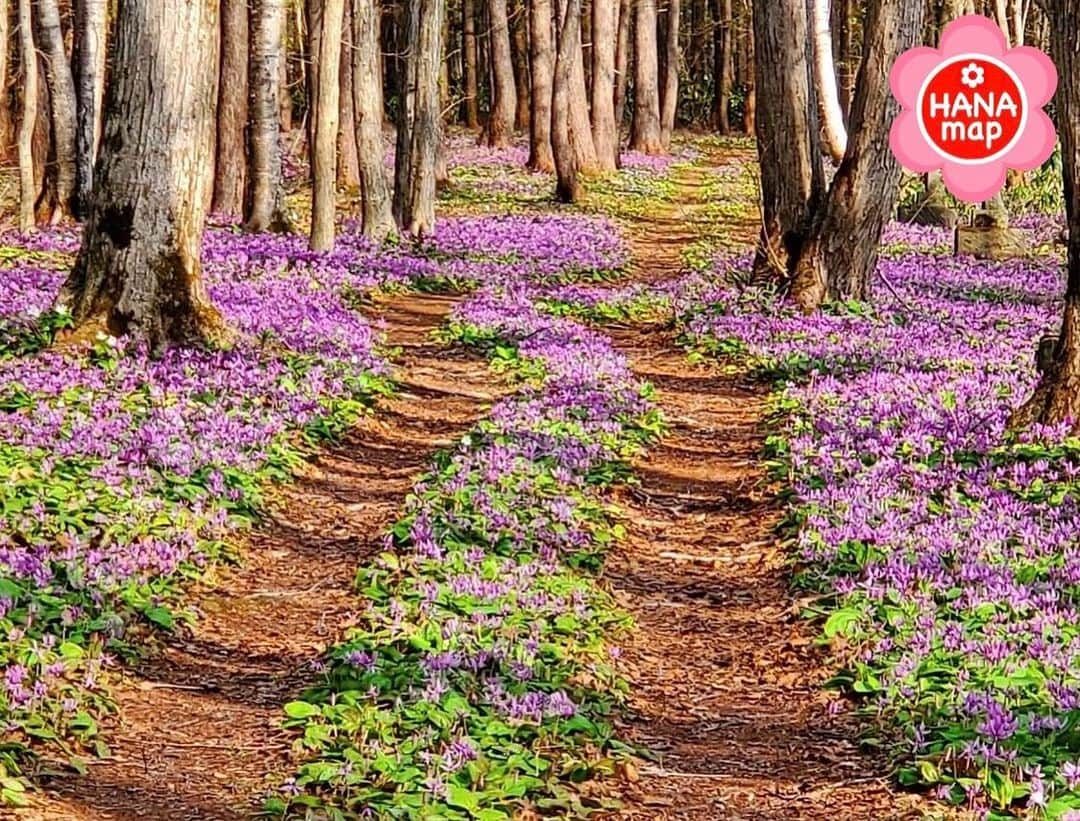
x: 161, y: 616
x: 301, y: 709
x: 839, y: 622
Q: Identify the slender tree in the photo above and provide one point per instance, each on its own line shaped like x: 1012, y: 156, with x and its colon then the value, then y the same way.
x: 669, y: 92
x: 6, y: 118
x: 645, y: 127
x: 840, y: 255
x: 91, y: 31
x: 580, y: 123
x: 622, y: 60
x: 348, y: 164
x: 265, y: 209
x: 605, y: 129
x: 377, y: 219
x: 723, y: 60
x: 327, y: 111
x: 1056, y: 399
x: 566, y: 157
x: 28, y: 56
x: 792, y: 177
x: 750, y: 101
x: 471, y: 60
x: 419, y: 120
x: 542, y: 57
x: 138, y: 271
x: 61, y: 102
x: 230, y: 167
x: 500, y: 122
x: 519, y: 42
x: 830, y: 110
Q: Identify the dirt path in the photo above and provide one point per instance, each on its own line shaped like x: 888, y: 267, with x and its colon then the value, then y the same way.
x: 198, y: 722
x: 725, y: 674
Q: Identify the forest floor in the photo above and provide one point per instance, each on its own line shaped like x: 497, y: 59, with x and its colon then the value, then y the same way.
x: 725, y: 675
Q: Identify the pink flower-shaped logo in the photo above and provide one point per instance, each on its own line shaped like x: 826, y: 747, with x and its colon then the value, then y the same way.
x: 973, y: 108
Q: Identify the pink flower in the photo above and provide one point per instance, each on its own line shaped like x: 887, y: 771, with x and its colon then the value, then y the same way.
x: 973, y: 108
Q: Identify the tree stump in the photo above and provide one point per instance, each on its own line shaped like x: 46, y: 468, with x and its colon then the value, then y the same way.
x: 989, y: 238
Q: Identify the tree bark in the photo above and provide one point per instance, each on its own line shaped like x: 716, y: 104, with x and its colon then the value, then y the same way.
x: 472, y: 84
x: 622, y: 61
x: 520, y: 50
x: 645, y: 127
x: 28, y: 55
x: 348, y: 165
x: 830, y: 110
x: 419, y: 125
x: 722, y: 63
x: 789, y: 155
x: 377, y: 220
x: 91, y: 32
x: 605, y: 129
x: 580, y: 123
x: 1056, y: 399
x: 266, y: 194
x: 750, y: 103
x: 327, y: 112
x: 138, y: 271
x: 7, y: 119
x: 840, y: 256
x: 62, y: 102
x: 567, y: 187
x: 542, y: 58
x: 500, y: 123
x: 669, y: 95
x: 230, y: 167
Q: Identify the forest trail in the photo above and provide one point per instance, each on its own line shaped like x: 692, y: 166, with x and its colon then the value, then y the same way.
x: 725, y: 675
x: 199, y: 722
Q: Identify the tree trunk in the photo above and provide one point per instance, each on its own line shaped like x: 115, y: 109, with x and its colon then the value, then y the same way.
x: 645, y: 127
x: 419, y: 126
x: 266, y: 194
x: 230, y: 167
x: 91, y: 31
x: 348, y: 165
x: 792, y: 177
x: 605, y: 129
x: 285, y: 102
x: 830, y: 111
x: 7, y: 120
x: 845, y: 77
x: 472, y: 84
x: 567, y: 188
x: 1056, y: 399
x: 580, y: 123
x: 62, y: 102
x: 723, y: 59
x: 840, y: 256
x: 750, y: 103
x: 327, y: 113
x: 622, y: 61
x: 542, y: 58
x: 500, y: 123
x: 669, y: 95
x: 377, y: 220
x: 138, y: 271
x: 28, y: 55
x: 520, y: 43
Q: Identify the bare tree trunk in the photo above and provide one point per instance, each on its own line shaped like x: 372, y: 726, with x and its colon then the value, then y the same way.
x: 472, y: 84
x: 419, y: 122
x: 377, y: 220
x: 750, y: 103
x: 230, y: 167
x: 541, y: 47
x: 605, y: 129
x: 327, y: 112
x: 645, y: 128
x: 138, y: 271
x: 348, y: 165
x: 840, y: 255
x: 266, y: 194
x: 520, y: 43
x: 566, y: 157
x: 792, y: 177
x: 28, y: 54
x: 1056, y: 399
x: 622, y: 62
x: 722, y: 63
x: 669, y: 94
x: 7, y: 120
x: 829, y: 109
x: 842, y: 55
x: 580, y: 124
x: 91, y: 31
x: 285, y: 102
x: 500, y: 124
x: 62, y: 102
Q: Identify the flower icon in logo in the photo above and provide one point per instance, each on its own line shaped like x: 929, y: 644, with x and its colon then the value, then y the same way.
x: 973, y: 75
x: 972, y: 108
